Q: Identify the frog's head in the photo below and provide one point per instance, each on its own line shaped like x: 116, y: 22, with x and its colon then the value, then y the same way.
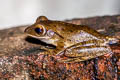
x: 39, y: 31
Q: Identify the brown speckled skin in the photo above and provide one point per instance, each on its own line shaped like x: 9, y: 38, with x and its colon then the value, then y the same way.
x: 69, y: 39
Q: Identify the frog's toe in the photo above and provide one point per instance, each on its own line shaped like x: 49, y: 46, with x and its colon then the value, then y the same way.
x: 60, y: 53
x: 71, y: 60
x: 63, y: 52
x: 66, y: 60
x: 111, y: 53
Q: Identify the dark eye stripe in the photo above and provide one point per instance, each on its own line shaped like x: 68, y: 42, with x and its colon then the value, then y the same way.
x: 38, y: 30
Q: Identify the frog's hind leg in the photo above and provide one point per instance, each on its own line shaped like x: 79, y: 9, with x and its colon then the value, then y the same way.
x: 94, y: 50
x: 83, y: 44
x: 84, y: 53
x: 88, y: 50
x: 88, y: 43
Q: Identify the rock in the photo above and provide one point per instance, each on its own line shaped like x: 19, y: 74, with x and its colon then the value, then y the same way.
x: 21, y: 58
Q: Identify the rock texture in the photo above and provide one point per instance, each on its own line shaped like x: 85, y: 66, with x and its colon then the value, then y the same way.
x: 21, y: 58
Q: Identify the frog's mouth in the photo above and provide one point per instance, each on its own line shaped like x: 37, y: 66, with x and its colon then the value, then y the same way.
x: 42, y: 37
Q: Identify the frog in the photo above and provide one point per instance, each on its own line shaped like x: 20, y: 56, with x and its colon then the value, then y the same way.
x: 76, y: 42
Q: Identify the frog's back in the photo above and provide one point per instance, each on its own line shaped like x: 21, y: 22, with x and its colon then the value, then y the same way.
x: 74, y: 33
x: 68, y: 29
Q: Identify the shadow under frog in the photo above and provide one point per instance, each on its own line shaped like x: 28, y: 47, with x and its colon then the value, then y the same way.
x: 76, y: 42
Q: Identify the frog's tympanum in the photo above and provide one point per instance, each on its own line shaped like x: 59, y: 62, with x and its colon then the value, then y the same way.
x: 76, y: 42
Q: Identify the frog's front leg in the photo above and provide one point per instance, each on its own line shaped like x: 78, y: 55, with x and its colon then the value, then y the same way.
x: 58, y: 49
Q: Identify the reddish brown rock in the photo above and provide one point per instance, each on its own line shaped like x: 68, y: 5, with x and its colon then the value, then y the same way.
x: 20, y: 56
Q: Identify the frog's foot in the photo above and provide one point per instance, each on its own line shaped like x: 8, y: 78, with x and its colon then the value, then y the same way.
x: 71, y: 60
x: 110, y: 52
x: 112, y: 40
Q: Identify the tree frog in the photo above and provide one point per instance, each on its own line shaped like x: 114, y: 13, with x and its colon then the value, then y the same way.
x: 76, y: 42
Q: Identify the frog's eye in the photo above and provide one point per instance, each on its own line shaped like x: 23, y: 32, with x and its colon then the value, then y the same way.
x: 40, y: 30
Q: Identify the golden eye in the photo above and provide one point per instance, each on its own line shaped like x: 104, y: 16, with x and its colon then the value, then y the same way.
x: 40, y: 29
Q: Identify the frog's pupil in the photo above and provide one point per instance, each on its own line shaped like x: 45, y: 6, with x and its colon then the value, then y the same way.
x: 38, y: 30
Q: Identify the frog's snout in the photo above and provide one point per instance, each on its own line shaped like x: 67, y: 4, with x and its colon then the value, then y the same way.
x: 26, y: 30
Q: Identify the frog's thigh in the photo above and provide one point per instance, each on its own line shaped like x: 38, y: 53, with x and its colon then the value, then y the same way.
x: 88, y: 43
x: 77, y: 56
x: 87, y: 52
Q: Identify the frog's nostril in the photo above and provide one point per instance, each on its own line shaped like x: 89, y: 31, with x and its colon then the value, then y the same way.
x: 26, y: 30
